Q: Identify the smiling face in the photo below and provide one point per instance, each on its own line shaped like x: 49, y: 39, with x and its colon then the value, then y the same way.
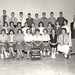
x: 53, y: 32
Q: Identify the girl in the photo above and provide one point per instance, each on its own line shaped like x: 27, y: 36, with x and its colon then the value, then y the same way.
x: 25, y: 28
x: 3, y: 43
x: 18, y: 27
x: 28, y: 41
x: 49, y: 27
x: 53, y: 42
x: 5, y: 26
x: 33, y: 28
x: 19, y: 43
x: 37, y: 40
x: 11, y: 42
x: 58, y: 28
x: 46, y: 39
x: 41, y: 27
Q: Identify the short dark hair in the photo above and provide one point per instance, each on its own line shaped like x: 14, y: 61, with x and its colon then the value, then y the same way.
x: 29, y: 13
x: 27, y: 30
x: 3, y: 30
x: 52, y: 30
x: 49, y: 23
x: 12, y: 13
x: 21, y: 13
x: 11, y: 31
x: 37, y: 30
x: 11, y: 22
x: 61, y: 12
x: 64, y: 29
x: 51, y: 12
x: 4, y: 10
x: 19, y: 23
x: 42, y: 24
x: 43, y: 13
x: 5, y: 23
x: 37, y: 14
x: 46, y: 30
x: 19, y: 30
x: 66, y: 21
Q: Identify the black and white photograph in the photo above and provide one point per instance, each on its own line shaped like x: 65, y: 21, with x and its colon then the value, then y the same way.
x: 37, y: 37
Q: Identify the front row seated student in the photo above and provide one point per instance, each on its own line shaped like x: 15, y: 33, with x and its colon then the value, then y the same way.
x: 11, y: 43
x: 53, y: 43
x: 63, y: 43
x: 28, y: 38
x: 19, y: 43
x: 46, y: 44
x: 37, y: 40
x: 3, y: 44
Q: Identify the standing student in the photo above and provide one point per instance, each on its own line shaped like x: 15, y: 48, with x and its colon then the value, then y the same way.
x: 61, y: 19
x: 63, y: 43
x: 52, y: 19
x: 58, y: 29
x: 44, y: 19
x: 53, y: 43
x: 25, y: 28
x: 13, y: 19
x: 36, y: 20
x: 11, y: 43
x: 46, y: 45
x: 3, y: 44
x: 29, y: 20
x: 49, y: 27
x: 18, y: 27
x: 4, y: 18
x: 21, y: 19
x: 41, y: 27
x: 33, y: 28
x: 72, y: 27
x: 28, y: 38
x: 37, y: 40
x: 19, y: 43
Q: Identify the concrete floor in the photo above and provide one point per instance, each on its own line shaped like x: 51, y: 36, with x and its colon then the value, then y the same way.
x: 46, y: 66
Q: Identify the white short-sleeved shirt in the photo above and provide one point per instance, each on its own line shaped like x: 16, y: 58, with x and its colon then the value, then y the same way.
x: 24, y: 30
x: 37, y: 38
x: 3, y: 38
x: 41, y: 29
x: 11, y: 38
x: 45, y: 37
x: 28, y: 38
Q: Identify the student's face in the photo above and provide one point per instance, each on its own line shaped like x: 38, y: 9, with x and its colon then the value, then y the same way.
x: 53, y: 32
x: 44, y: 15
x: 36, y: 16
x: 33, y: 25
x: 6, y: 25
x: 61, y: 14
x: 40, y: 24
x: 49, y: 25
x: 65, y: 23
x: 28, y: 31
x: 29, y: 16
x: 12, y: 24
x: 57, y: 23
x: 45, y: 32
x: 21, y: 15
x: 37, y: 32
x: 4, y: 12
x: 3, y: 32
x: 63, y: 32
x: 19, y: 25
x: 12, y: 14
x: 11, y: 33
x: 51, y: 15
x: 19, y: 31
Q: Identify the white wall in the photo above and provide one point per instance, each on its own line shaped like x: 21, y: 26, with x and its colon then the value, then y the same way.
x: 33, y: 6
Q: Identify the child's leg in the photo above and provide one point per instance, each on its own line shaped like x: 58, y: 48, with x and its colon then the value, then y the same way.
x: 28, y: 54
x: 21, y: 53
x: 18, y: 54
x: 2, y: 52
x: 53, y: 52
x: 44, y: 52
x: 48, y: 52
x: 12, y: 51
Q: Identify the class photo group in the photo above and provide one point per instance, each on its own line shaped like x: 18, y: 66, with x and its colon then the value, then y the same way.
x: 18, y: 36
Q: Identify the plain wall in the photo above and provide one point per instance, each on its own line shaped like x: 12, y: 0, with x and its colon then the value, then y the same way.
x: 38, y: 6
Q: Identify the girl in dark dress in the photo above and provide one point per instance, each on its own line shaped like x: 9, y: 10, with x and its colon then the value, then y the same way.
x: 53, y: 42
